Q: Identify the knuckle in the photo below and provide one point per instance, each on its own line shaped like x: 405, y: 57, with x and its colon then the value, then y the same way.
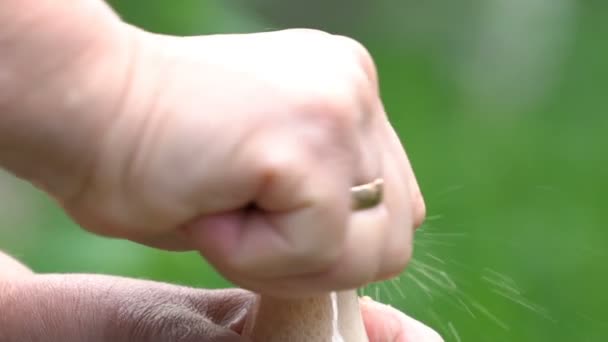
x: 333, y: 108
x: 279, y: 165
x: 338, y: 113
x: 362, y: 57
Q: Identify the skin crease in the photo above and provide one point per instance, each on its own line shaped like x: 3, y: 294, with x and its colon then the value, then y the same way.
x: 242, y: 147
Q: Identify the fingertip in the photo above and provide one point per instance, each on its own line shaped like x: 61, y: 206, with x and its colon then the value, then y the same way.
x: 419, y: 208
x: 385, y: 323
x: 379, y: 325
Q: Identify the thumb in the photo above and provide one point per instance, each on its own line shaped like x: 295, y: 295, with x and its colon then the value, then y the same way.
x: 384, y: 323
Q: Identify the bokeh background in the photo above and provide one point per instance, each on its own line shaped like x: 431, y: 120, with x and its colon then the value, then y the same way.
x: 502, y: 106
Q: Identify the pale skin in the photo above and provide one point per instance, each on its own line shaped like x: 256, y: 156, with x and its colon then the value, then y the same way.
x: 241, y: 147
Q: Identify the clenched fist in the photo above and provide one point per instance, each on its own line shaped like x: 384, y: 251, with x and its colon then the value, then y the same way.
x: 242, y: 147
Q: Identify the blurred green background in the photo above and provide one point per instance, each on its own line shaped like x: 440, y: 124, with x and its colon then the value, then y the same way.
x: 502, y: 106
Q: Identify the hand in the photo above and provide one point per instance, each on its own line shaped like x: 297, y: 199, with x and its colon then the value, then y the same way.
x: 98, y: 308
x: 384, y: 323
x: 244, y: 147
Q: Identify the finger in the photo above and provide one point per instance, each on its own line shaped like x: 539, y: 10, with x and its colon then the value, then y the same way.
x: 357, y: 265
x: 378, y: 243
x: 405, y: 207
x: 397, y: 246
x: 365, y: 256
x: 379, y: 239
x: 399, y: 155
x: 384, y: 323
x: 367, y: 228
x: 298, y: 222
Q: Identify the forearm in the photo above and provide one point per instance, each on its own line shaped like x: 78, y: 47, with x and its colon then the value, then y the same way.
x: 58, y: 61
x: 54, y: 307
x: 52, y: 299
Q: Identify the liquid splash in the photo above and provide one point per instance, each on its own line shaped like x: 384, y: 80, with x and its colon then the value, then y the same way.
x: 431, y: 278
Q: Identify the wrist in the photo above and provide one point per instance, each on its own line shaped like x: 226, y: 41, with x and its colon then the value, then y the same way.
x: 64, y: 67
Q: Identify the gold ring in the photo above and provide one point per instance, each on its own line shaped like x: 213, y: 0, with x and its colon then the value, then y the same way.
x: 368, y: 195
